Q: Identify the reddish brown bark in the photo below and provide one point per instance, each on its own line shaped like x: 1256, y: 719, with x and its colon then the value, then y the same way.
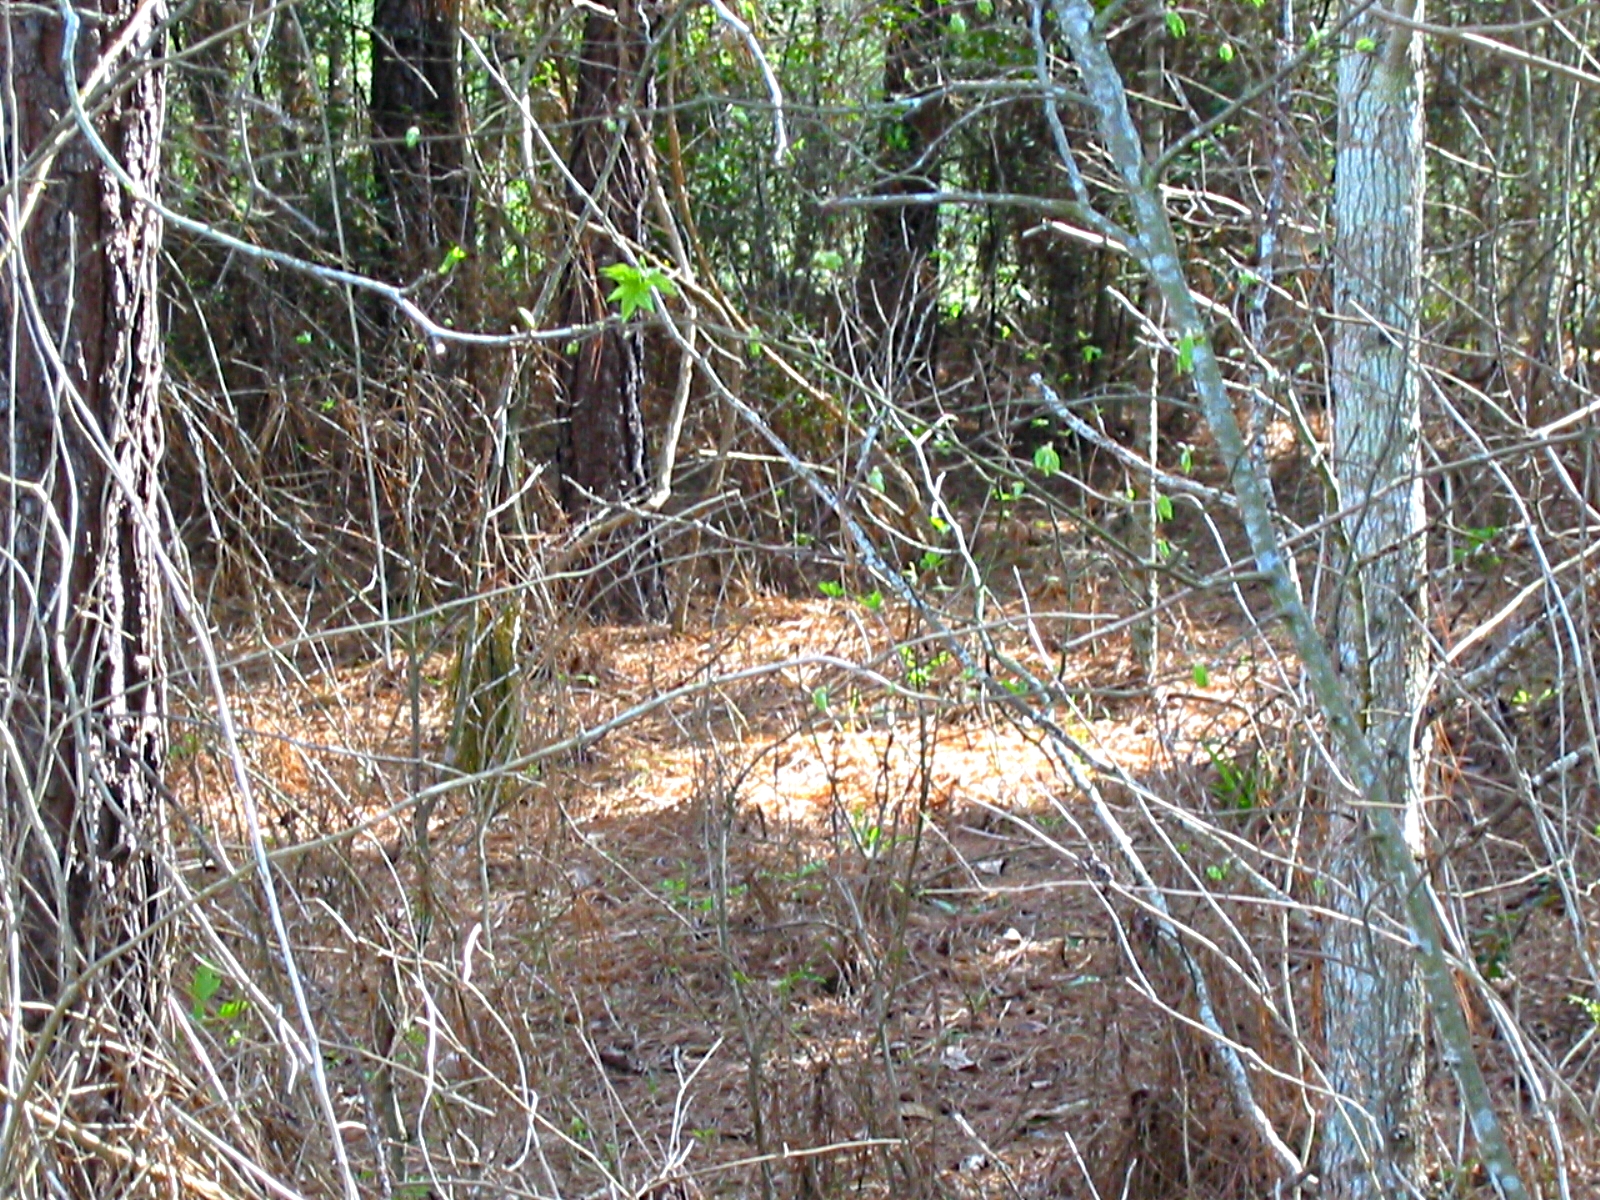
x: 602, y: 443
x: 416, y: 120
x: 899, y: 282
x: 80, y: 626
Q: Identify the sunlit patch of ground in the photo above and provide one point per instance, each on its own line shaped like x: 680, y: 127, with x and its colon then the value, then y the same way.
x: 796, y: 909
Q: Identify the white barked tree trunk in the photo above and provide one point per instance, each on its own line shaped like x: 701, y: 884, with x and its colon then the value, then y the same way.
x: 1373, y: 995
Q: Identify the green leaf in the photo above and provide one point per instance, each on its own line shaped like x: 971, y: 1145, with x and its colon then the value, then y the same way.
x: 1186, y: 347
x: 827, y: 261
x: 413, y: 137
x: 1225, y: 52
x: 1476, y: 547
x: 1186, y: 459
x: 452, y: 256
x: 1175, y: 23
x: 875, y: 479
x: 636, y: 287
x: 1046, y: 460
x: 1590, y: 1006
x: 819, y: 700
x: 831, y: 588
x: 1163, y: 507
x: 1201, y: 675
x: 206, y: 983
x: 984, y: 8
x: 1366, y: 45
x: 631, y: 292
x: 872, y: 600
x: 958, y: 24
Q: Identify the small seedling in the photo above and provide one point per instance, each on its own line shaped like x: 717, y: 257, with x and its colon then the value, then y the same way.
x: 206, y: 983
x: 1239, y: 788
x: 1590, y: 1006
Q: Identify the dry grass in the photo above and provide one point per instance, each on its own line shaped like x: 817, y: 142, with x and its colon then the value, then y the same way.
x: 829, y: 922
x: 796, y: 933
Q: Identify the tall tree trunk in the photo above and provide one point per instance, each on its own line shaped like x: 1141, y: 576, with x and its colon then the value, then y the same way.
x: 1377, y: 839
x: 602, y: 441
x: 1373, y: 995
x: 899, y: 281
x: 416, y: 119
x: 81, y: 703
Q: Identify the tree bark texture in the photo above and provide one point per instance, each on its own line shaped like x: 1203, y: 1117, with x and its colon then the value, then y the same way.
x: 601, y: 447
x: 1387, y: 836
x: 1373, y: 996
x: 81, y: 700
x: 416, y: 120
x: 899, y: 282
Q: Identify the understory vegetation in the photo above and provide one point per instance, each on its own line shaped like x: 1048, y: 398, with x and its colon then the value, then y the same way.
x: 719, y: 646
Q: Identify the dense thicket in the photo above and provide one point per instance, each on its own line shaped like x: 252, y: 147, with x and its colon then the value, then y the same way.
x: 490, y: 326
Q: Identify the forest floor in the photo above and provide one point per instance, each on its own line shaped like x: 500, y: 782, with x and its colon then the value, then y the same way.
x: 799, y: 932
